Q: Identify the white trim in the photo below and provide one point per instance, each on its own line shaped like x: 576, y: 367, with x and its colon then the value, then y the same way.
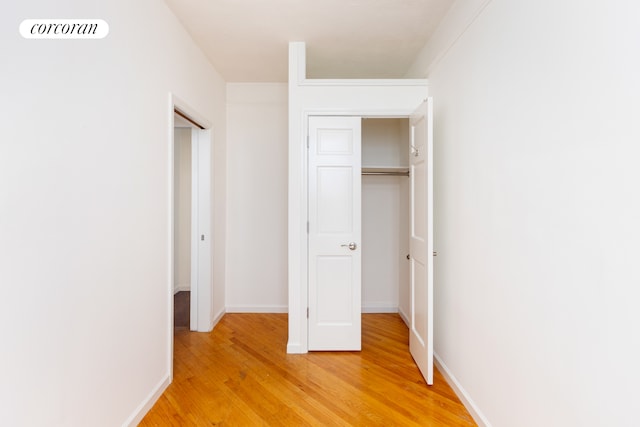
x: 462, y: 394
x: 404, y: 316
x: 364, y: 113
x: 296, y: 348
x: 171, y: 256
x: 297, y: 205
x: 297, y: 63
x: 363, y: 82
x: 146, y: 405
x: 257, y: 309
x: 378, y: 308
x: 217, y: 318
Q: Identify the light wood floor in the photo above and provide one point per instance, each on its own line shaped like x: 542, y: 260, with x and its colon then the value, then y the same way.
x: 240, y: 375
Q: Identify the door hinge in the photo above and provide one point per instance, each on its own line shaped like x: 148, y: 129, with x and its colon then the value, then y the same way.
x: 307, y: 312
x: 307, y: 227
x: 307, y: 141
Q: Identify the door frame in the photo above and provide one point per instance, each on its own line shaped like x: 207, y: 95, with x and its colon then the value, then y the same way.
x: 201, y: 221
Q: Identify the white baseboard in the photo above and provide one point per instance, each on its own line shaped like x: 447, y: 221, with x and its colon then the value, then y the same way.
x: 404, y: 316
x: 296, y: 348
x: 366, y: 308
x: 257, y: 309
x: 146, y: 405
x: 217, y: 318
x: 462, y: 394
x: 378, y: 308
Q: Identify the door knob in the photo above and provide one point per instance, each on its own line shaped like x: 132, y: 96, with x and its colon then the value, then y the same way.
x: 351, y: 246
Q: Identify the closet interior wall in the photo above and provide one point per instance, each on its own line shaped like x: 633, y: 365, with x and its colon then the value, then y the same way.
x: 182, y: 209
x: 385, y: 217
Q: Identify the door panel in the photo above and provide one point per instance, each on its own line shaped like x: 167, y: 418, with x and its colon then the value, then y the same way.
x: 334, y: 305
x: 201, y: 250
x: 421, y: 240
x: 334, y: 223
x: 335, y: 195
x: 420, y: 314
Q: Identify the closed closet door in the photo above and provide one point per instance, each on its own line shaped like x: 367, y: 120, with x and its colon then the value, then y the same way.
x: 334, y: 233
x: 421, y: 240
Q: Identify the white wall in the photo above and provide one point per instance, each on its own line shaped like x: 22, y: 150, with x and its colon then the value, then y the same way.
x: 536, y: 212
x: 384, y: 264
x: 85, y: 176
x: 257, y: 197
x: 182, y: 209
x: 385, y: 142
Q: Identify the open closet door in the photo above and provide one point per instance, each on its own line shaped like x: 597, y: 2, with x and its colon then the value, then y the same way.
x: 421, y: 239
x: 334, y: 233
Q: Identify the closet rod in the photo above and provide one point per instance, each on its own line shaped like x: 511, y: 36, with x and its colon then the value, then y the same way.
x: 398, y: 173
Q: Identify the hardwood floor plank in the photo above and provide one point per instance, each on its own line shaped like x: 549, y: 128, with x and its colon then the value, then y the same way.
x: 240, y: 375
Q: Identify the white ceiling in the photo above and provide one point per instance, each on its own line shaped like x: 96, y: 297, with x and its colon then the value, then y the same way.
x: 247, y: 40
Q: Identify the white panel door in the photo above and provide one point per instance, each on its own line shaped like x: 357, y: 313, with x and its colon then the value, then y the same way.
x: 201, y: 251
x: 421, y: 239
x: 334, y: 233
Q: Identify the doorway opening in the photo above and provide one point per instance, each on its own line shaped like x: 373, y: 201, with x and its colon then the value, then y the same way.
x: 359, y: 214
x: 191, y: 259
x: 385, y: 215
x: 182, y: 206
x: 337, y: 156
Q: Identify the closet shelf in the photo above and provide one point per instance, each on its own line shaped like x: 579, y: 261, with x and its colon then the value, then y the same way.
x: 385, y: 171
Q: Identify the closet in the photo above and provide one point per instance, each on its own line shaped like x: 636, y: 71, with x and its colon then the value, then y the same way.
x: 385, y: 215
x: 326, y: 235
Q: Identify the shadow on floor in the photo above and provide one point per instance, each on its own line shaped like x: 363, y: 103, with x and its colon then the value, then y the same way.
x: 181, y: 309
